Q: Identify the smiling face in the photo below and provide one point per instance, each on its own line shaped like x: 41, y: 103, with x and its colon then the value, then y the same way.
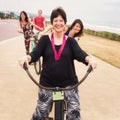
x: 58, y: 24
x: 39, y: 13
x: 76, y: 27
x: 23, y: 16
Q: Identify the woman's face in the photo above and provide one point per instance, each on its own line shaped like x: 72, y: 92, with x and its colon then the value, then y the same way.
x: 39, y: 13
x: 58, y: 24
x: 23, y: 16
x: 77, y: 28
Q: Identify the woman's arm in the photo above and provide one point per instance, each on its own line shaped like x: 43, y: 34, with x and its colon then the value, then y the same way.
x: 50, y: 27
x: 81, y: 55
x: 19, y: 29
x: 34, y: 25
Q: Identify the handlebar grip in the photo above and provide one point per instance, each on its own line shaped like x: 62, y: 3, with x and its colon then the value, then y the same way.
x: 25, y: 66
x: 89, y: 69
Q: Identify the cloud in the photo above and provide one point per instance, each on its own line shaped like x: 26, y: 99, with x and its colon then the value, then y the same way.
x: 90, y: 11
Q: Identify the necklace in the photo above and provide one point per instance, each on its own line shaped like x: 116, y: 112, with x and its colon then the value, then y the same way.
x: 57, y: 55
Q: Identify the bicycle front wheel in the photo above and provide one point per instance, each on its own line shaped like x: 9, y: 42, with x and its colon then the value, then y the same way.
x: 37, y: 66
x: 59, y: 110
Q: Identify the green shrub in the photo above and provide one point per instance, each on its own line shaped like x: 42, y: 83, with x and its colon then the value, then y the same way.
x: 104, y: 34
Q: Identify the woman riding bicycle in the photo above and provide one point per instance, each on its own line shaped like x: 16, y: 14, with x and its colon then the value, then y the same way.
x: 40, y: 21
x: 25, y: 27
x: 58, y: 52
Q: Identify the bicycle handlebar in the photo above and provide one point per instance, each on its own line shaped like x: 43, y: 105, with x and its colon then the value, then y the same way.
x: 56, y: 88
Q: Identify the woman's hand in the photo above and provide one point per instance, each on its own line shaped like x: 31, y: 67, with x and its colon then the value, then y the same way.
x: 20, y: 30
x: 24, y: 59
x: 40, y: 35
x: 77, y: 38
x: 91, y: 62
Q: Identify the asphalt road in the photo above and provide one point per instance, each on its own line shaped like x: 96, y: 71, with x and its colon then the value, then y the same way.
x: 99, y: 94
x: 8, y: 29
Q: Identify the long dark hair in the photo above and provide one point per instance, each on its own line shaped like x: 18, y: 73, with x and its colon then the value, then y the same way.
x: 26, y: 16
x: 80, y: 33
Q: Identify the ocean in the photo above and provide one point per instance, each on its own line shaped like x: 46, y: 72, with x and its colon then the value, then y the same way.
x: 103, y: 28
x: 109, y: 26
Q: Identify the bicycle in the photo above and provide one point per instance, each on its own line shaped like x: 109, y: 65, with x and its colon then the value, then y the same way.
x: 32, y: 45
x: 37, y: 65
x: 58, y: 95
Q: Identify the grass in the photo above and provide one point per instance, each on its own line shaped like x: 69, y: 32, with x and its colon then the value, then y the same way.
x: 103, y: 34
x: 102, y: 48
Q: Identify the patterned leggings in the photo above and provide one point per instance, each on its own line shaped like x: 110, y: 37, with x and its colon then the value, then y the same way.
x: 44, y: 105
x: 27, y: 44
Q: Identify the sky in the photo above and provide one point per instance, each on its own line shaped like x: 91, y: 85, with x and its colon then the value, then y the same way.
x: 96, y: 12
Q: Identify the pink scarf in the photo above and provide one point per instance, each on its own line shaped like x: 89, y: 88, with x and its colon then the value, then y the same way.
x: 57, y: 55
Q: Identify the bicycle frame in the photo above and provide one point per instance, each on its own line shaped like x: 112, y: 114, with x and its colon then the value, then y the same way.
x: 32, y: 44
x: 58, y: 94
x: 38, y: 63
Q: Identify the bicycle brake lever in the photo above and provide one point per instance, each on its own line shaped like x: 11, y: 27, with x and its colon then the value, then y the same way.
x: 25, y: 66
x: 89, y: 69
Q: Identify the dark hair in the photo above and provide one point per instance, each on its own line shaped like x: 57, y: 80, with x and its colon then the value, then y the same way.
x: 26, y: 17
x: 56, y: 12
x: 80, y: 33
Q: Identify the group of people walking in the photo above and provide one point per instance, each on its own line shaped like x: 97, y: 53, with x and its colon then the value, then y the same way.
x: 59, y: 49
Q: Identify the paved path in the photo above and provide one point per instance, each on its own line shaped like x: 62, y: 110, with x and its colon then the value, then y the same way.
x: 8, y: 29
x: 99, y: 94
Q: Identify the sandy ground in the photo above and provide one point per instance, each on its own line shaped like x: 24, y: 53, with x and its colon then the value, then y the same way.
x: 99, y: 94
